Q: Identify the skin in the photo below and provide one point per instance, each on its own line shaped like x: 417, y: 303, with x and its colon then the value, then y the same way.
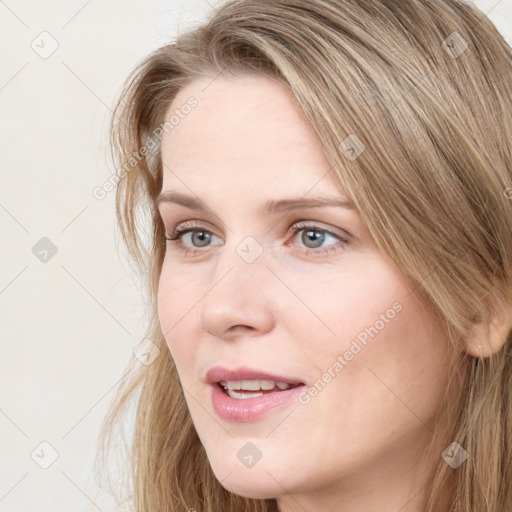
x: 356, y: 445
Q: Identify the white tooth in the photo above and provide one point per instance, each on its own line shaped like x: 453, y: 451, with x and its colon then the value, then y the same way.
x: 283, y: 385
x: 267, y: 384
x: 250, y: 385
x: 242, y: 395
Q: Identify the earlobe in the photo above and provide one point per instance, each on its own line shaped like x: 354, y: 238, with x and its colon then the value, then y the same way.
x: 484, y: 341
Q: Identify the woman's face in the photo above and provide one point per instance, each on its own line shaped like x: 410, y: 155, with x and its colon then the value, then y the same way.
x: 320, y: 306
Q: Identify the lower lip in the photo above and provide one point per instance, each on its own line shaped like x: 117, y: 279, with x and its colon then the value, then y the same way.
x: 249, y: 409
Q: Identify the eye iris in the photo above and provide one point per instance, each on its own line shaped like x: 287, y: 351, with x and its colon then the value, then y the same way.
x: 203, y: 237
x: 313, y: 235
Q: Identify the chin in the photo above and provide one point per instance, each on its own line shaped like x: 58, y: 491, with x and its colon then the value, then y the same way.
x: 253, y: 482
x: 251, y: 489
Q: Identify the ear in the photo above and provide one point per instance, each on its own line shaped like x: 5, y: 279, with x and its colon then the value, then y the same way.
x: 484, y: 341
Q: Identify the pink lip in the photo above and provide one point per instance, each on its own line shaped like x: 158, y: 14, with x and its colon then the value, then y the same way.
x: 218, y: 373
x: 248, y: 409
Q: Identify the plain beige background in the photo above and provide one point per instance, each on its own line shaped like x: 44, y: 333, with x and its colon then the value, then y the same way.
x: 71, y: 312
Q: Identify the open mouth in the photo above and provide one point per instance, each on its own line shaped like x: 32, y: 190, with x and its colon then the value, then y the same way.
x: 253, y: 388
x: 237, y: 399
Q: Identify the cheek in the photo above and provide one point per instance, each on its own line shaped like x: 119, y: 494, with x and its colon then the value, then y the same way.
x: 385, y: 369
x: 394, y: 356
x: 174, y: 310
x: 180, y: 291
x: 165, y: 299
x: 175, y: 295
x: 343, y: 302
x: 372, y: 321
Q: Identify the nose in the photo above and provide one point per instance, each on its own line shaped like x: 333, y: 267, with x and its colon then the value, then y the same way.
x: 240, y: 298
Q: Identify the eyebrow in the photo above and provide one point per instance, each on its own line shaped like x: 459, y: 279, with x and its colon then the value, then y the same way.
x: 271, y: 206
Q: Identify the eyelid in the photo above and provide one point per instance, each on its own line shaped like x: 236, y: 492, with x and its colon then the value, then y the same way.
x: 191, y: 224
x: 175, y: 210
x: 337, y: 232
x: 304, y: 223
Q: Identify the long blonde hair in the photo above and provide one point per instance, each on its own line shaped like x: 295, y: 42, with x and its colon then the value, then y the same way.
x: 412, y: 103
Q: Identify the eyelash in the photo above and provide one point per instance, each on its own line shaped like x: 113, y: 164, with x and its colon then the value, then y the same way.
x: 185, y: 228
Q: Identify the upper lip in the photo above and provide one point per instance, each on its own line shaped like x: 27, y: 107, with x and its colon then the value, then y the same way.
x: 220, y: 373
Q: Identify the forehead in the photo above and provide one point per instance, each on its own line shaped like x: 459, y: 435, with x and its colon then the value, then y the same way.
x: 237, y: 100
x: 242, y: 128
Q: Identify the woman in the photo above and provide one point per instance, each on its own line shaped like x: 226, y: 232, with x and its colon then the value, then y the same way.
x: 329, y: 267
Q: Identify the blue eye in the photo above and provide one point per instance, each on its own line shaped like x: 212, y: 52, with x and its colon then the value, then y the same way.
x: 177, y: 238
x: 313, y: 239
x: 315, y: 236
x: 203, y: 238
